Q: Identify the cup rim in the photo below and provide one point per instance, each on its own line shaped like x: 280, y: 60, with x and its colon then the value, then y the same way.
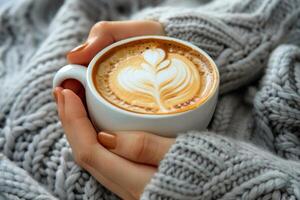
x: 94, y: 92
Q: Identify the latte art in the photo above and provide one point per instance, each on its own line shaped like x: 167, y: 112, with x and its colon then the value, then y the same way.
x: 153, y: 78
x: 157, y: 82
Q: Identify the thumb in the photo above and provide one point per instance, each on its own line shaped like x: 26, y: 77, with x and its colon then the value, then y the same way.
x: 105, y: 33
x: 137, y: 146
x: 99, y: 37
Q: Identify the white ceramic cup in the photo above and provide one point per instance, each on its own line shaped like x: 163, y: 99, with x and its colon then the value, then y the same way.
x: 107, y: 117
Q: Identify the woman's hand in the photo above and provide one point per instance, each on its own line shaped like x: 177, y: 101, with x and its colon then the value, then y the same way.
x: 129, y: 160
x: 122, y: 162
x: 103, y: 34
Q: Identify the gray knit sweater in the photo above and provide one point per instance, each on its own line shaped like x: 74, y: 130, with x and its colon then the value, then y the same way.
x: 252, y: 148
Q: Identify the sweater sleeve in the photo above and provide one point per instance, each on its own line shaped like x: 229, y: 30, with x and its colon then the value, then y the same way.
x: 209, y: 166
x: 239, y: 35
x: 205, y: 165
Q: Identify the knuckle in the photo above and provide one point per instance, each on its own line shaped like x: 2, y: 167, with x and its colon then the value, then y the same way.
x: 102, y: 25
x: 140, y: 149
x: 84, y: 158
x: 72, y: 119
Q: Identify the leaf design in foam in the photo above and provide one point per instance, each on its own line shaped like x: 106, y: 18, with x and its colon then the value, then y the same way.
x: 163, y: 82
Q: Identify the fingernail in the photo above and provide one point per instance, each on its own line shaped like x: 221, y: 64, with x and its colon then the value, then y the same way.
x: 78, y: 48
x: 107, y: 140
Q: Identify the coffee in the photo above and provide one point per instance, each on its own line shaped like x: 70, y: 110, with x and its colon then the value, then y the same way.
x: 154, y: 76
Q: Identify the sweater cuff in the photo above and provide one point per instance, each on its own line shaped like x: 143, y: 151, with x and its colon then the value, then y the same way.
x: 208, y: 166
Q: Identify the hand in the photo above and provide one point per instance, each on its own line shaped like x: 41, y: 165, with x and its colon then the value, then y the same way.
x: 128, y: 167
x: 103, y: 34
x: 129, y: 160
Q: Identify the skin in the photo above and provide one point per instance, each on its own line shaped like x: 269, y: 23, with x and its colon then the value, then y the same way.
x: 128, y: 167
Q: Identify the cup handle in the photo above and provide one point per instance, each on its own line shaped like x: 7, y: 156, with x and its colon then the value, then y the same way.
x: 70, y: 71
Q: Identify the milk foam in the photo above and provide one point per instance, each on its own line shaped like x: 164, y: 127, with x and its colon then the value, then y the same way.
x: 158, y: 78
x: 153, y: 79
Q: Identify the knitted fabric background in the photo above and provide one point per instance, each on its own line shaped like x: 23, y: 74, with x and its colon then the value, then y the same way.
x: 252, y: 148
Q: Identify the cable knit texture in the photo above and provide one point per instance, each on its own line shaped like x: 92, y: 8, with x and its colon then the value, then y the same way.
x: 252, y: 148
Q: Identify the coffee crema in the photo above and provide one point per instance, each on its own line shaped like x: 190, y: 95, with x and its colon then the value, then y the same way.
x: 154, y: 76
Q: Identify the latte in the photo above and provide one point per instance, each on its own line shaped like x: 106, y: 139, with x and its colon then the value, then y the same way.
x: 154, y: 76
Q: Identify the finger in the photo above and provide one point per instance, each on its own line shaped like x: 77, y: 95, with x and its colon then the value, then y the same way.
x: 137, y: 146
x: 124, y: 29
x: 59, y: 100
x: 89, y: 154
x: 105, y: 33
x: 79, y: 113
x: 75, y: 122
x: 75, y: 86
